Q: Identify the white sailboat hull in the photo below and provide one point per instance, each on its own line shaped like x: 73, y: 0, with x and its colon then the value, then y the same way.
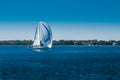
x: 39, y: 47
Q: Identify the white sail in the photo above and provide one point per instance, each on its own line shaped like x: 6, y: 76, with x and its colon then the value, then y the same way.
x: 44, y: 34
x: 37, y: 37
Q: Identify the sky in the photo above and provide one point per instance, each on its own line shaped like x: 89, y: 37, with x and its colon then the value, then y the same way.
x: 69, y: 19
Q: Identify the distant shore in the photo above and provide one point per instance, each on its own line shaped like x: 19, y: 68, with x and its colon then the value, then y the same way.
x: 66, y: 42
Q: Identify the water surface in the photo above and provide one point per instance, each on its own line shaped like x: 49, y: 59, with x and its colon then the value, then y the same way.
x: 60, y: 63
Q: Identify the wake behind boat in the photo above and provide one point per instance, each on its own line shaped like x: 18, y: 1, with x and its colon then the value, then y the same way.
x: 43, y: 37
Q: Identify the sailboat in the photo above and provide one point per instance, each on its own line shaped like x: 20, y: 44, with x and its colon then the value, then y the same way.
x: 43, y: 37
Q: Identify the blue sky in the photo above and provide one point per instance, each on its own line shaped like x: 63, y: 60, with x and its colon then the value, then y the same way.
x: 69, y: 19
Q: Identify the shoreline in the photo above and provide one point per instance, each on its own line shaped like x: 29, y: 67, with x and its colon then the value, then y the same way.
x: 65, y: 45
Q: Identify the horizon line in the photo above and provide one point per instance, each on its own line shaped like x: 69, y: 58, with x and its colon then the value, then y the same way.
x: 61, y: 39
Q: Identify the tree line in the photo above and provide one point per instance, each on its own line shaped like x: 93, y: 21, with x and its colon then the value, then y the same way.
x: 63, y: 42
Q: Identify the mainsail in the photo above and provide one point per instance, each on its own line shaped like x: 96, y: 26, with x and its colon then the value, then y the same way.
x: 44, y: 34
x: 37, y: 36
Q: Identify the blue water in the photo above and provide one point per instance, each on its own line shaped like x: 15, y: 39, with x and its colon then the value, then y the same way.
x: 60, y: 63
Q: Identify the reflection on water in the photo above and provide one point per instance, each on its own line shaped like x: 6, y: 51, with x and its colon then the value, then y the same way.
x: 42, y: 50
